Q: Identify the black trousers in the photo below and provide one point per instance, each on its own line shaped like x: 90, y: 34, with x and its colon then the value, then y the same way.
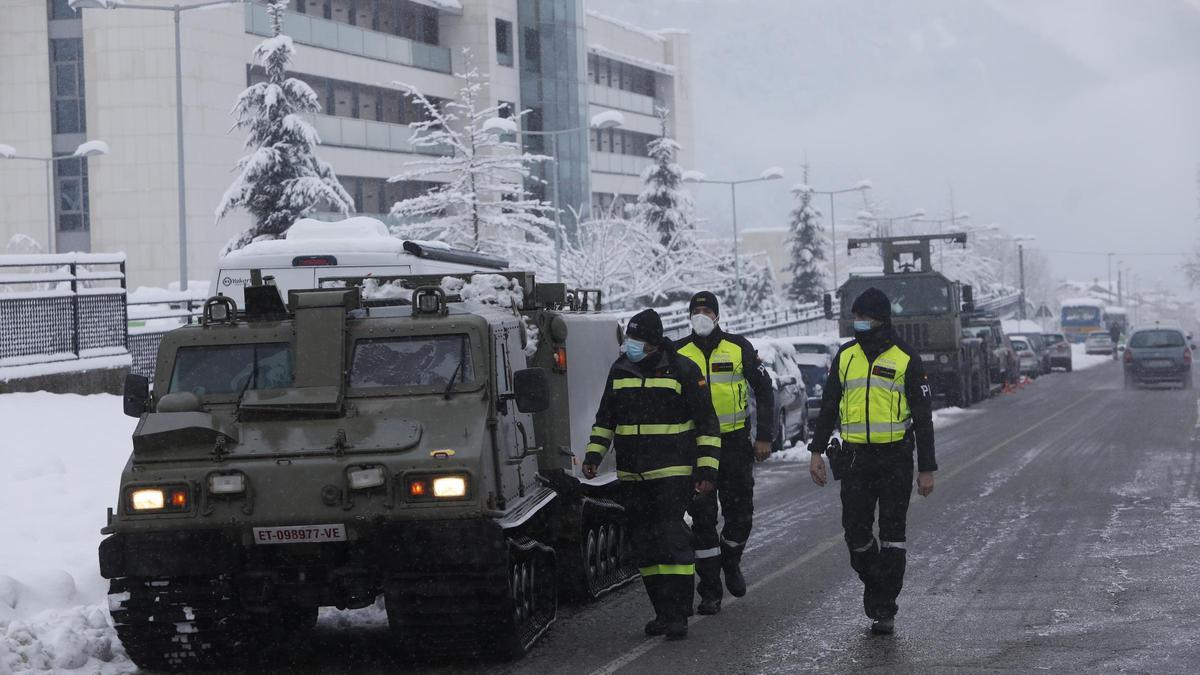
x: 878, y: 477
x: 735, y: 494
x: 661, y: 542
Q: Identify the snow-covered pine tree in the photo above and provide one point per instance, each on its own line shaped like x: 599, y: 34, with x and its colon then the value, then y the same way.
x: 806, y: 248
x: 663, y: 205
x: 282, y: 179
x: 485, y: 205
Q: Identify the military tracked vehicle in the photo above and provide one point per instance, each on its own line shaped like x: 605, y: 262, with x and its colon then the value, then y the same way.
x: 328, y: 451
x: 928, y: 312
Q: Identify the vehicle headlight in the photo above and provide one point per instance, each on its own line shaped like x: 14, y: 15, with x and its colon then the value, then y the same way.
x: 149, y: 499
x: 227, y: 484
x: 366, y: 478
x: 450, y: 486
x: 157, y: 498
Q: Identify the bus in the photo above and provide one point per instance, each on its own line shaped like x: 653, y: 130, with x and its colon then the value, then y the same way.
x: 1081, y: 316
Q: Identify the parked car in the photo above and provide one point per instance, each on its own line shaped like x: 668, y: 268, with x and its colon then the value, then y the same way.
x: 1038, y: 345
x: 815, y: 369
x: 1099, y: 343
x: 1030, y: 365
x: 1060, y: 350
x: 791, y: 396
x: 1158, y: 354
x: 817, y: 344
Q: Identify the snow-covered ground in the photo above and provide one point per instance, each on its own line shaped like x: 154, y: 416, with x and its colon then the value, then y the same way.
x: 62, y: 458
x: 941, y: 419
x: 1080, y: 359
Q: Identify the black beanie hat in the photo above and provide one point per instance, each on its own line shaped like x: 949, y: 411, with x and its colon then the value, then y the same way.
x: 704, y: 299
x: 647, y: 326
x: 873, y: 304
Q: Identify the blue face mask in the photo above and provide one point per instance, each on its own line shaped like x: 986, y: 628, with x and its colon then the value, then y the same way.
x: 635, y: 349
x: 862, y: 326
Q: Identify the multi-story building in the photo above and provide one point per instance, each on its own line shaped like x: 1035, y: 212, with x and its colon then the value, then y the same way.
x: 67, y: 76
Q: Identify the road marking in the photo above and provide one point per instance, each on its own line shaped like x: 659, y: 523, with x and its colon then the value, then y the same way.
x: 648, y: 644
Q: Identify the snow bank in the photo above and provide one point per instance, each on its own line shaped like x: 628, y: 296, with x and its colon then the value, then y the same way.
x: 57, y: 482
x: 1080, y: 359
x: 941, y: 419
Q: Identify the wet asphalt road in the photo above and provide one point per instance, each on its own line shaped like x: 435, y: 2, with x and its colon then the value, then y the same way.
x: 1063, y: 534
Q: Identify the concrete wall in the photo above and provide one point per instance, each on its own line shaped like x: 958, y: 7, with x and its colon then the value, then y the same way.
x: 24, y: 119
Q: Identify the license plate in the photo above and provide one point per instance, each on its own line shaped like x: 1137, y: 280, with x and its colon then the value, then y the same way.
x: 299, y: 534
x: 1160, y: 363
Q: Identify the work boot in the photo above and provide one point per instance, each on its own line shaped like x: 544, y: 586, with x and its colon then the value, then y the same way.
x: 883, y: 626
x: 656, y: 627
x: 709, y: 607
x: 676, y: 630
x: 734, y: 581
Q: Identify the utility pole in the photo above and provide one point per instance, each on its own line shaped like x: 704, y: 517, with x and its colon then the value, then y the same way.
x: 1110, y: 286
x: 1021, y: 262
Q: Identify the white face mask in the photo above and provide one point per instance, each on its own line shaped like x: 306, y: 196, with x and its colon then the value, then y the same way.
x: 703, y: 325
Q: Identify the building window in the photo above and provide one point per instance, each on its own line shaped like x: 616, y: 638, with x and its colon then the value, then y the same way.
x: 532, y: 43
x: 428, y: 31
x: 619, y: 75
x: 71, y: 204
x: 504, y: 46
x: 61, y: 9
x: 67, y: 73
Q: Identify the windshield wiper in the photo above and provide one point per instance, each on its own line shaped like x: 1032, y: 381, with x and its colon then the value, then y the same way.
x: 462, y: 357
x: 253, y: 379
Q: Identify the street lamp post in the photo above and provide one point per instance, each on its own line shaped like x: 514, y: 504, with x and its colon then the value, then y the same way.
x: 88, y: 149
x: 176, y: 10
x: 862, y: 186
x: 1021, y: 263
x: 609, y: 119
x: 772, y: 173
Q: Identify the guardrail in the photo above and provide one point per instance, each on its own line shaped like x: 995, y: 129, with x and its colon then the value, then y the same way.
x: 61, y: 307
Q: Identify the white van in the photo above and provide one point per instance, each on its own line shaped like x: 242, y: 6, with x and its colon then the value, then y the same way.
x: 313, y: 250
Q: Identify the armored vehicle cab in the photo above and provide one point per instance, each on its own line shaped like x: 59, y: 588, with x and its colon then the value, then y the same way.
x: 326, y: 452
x: 927, y: 312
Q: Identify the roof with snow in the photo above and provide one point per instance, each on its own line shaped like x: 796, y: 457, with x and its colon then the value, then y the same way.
x: 1083, y: 302
x: 653, y: 35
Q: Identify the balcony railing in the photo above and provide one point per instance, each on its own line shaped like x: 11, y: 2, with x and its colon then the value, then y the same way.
x: 349, y: 39
x: 348, y: 132
x: 610, y: 162
x: 609, y: 97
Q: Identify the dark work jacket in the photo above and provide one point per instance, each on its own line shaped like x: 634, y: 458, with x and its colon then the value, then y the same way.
x: 753, y: 370
x: 627, y: 406
x: 916, y: 388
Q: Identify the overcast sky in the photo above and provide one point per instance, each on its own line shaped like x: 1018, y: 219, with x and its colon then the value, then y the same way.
x: 1076, y: 121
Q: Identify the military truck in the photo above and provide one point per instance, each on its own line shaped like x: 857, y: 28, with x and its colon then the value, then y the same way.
x: 927, y: 312
x: 329, y: 451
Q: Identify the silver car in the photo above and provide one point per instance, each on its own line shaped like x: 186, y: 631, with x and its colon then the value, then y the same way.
x: 1158, y: 354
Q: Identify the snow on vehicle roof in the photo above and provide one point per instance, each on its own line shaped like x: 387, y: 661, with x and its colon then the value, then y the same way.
x: 353, y: 235
x: 1083, y: 302
x: 815, y: 340
x: 356, y: 227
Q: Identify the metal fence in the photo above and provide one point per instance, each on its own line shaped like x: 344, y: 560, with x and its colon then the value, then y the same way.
x: 150, y: 319
x: 61, y: 307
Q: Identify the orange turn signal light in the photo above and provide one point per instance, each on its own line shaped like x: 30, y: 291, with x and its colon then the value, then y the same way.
x: 418, y: 488
x: 560, y: 358
x: 179, y: 499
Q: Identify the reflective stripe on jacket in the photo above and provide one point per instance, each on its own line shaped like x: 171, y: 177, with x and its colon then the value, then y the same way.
x: 726, y: 381
x: 874, y: 406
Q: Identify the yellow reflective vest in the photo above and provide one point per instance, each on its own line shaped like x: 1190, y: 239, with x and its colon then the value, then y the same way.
x: 874, y: 406
x: 726, y: 381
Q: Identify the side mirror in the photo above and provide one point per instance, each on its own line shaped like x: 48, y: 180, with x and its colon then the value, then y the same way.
x: 532, y: 390
x: 968, y: 294
x: 137, y: 395
x: 828, y: 300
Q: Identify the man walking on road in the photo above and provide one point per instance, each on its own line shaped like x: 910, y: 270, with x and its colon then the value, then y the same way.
x: 657, y: 415
x: 878, y: 392
x: 730, y: 364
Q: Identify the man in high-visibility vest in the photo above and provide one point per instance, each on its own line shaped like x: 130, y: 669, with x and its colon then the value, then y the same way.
x: 878, y: 392
x: 732, y: 368
x: 657, y: 416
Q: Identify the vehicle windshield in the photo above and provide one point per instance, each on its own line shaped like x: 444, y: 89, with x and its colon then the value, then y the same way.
x: 415, y: 361
x: 1077, y: 315
x: 910, y: 296
x: 1099, y: 337
x: 1053, y: 338
x: 1020, y: 345
x: 980, y: 332
x: 813, y: 375
x: 230, y: 369
x: 1156, y: 339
